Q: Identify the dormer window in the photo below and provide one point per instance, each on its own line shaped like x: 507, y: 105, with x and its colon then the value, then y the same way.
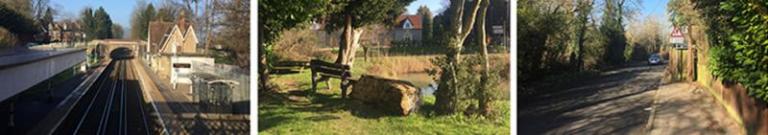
x: 407, y: 24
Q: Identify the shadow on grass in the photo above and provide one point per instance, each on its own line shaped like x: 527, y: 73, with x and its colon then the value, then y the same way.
x: 282, y: 108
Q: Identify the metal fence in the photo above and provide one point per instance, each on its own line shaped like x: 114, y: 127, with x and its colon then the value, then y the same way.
x: 221, y: 88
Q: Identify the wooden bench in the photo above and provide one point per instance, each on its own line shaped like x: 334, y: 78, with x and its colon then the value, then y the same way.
x: 323, y: 71
x: 289, y: 67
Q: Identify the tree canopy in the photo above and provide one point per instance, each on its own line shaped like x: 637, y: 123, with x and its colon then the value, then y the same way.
x: 97, y: 25
x: 15, y: 21
x: 142, y: 15
x: 276, y: 16
x: 364, y: 12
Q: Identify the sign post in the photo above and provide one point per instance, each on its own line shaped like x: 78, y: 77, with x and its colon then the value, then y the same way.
x: 678, y: 42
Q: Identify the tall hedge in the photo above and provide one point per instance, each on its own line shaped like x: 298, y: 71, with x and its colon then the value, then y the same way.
x: 739, y: 37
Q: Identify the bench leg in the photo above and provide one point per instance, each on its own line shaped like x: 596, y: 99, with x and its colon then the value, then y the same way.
x: 328, y: 83
x: 314, y: 82
x: 344, y: 86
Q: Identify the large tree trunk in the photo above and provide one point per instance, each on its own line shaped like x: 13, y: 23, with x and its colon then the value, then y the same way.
x: 582, y: 32
x: 447, y: 97
x: 263, y: 72
x: 485, y: 90
x: 350, y: 41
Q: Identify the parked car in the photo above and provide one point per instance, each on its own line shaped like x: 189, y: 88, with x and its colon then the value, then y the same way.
x: 655, y: 59
x: 30, y: 44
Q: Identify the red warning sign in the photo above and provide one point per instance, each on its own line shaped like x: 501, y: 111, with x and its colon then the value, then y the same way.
x: 676, y: 32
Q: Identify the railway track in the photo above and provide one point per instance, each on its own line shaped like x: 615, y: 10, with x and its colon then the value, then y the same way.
x: 114, y: 105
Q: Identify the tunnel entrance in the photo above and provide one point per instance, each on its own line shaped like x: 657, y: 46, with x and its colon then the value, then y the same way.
x: 121, y: 53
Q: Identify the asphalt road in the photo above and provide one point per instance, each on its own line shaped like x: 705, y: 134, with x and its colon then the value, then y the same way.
x: 114, y: 105
x: 614, y: 102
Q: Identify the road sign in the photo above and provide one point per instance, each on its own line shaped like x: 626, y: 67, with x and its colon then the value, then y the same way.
x: 676, y: 37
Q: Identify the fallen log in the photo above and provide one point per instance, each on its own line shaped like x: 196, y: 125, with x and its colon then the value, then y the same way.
x: 393, y: 96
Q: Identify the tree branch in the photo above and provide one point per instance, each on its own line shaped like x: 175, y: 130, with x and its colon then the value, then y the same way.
x: 467, y: 26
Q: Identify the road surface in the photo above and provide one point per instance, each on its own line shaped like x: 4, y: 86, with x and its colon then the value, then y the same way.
x: 614, y: 102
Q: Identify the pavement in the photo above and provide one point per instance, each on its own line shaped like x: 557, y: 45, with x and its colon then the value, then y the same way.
x: 682, y: 108
x: 629, y: 100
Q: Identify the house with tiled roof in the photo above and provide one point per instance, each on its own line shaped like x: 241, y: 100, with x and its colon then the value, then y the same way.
x: 172, y: 51
x: 407, y: 28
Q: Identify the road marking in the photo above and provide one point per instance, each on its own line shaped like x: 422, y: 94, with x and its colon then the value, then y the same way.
x: 649, y: 125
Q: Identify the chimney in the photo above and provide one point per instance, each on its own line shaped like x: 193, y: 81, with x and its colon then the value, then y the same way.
x: 182, y: 21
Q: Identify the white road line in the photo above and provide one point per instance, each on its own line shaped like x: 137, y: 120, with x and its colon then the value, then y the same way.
x: 90, y: 105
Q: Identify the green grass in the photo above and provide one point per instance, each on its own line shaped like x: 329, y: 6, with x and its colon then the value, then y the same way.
x: 325, y: 113
x: 329, y: 115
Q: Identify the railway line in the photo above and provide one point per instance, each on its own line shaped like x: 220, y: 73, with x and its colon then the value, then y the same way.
x: 113, y: 105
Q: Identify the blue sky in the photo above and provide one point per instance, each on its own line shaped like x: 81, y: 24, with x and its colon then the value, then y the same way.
x: 119, y: 10
x: 655, y: 8
x: 434, y: 5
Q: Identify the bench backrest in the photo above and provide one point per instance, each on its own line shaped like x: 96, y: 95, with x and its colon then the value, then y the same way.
x: 291, y: 64
x: 333, y: 69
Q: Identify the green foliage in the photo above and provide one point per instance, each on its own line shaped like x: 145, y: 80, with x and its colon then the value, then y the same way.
x: 413, y: 48
x: 7, y: 39
x: 613, y: 29
x: 142, y: 15
x: 102, y: 24
x: 364, y: 12
x: 538, y: 24
x: 426, y: 24
x: 88, y: 23
x: 743, y: 52
x: 276, y: 16
x: 47, y: 18
x: 117, y: 31
x: 97, y: 25
x: 166, y: 13
x: 15, y: 21
x: 468, y: 86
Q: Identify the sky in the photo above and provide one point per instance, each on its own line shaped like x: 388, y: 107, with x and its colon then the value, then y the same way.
x: 435, y: 6
x: 656, y: 9
x: 119, y: 10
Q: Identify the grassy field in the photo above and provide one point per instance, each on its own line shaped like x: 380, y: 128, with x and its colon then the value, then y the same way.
x: 292, y: 111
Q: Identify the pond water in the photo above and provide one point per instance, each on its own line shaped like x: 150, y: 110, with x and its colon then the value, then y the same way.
x: 421, y: 80
x: 428, y: 90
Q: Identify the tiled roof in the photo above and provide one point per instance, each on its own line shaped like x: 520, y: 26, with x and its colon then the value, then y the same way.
x: 414, y: 19
x: 157, y: 31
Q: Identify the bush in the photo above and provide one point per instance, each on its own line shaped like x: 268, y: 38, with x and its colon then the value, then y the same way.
x: 741, y: 50
x: 464, y: 94
x: 7, y: 39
